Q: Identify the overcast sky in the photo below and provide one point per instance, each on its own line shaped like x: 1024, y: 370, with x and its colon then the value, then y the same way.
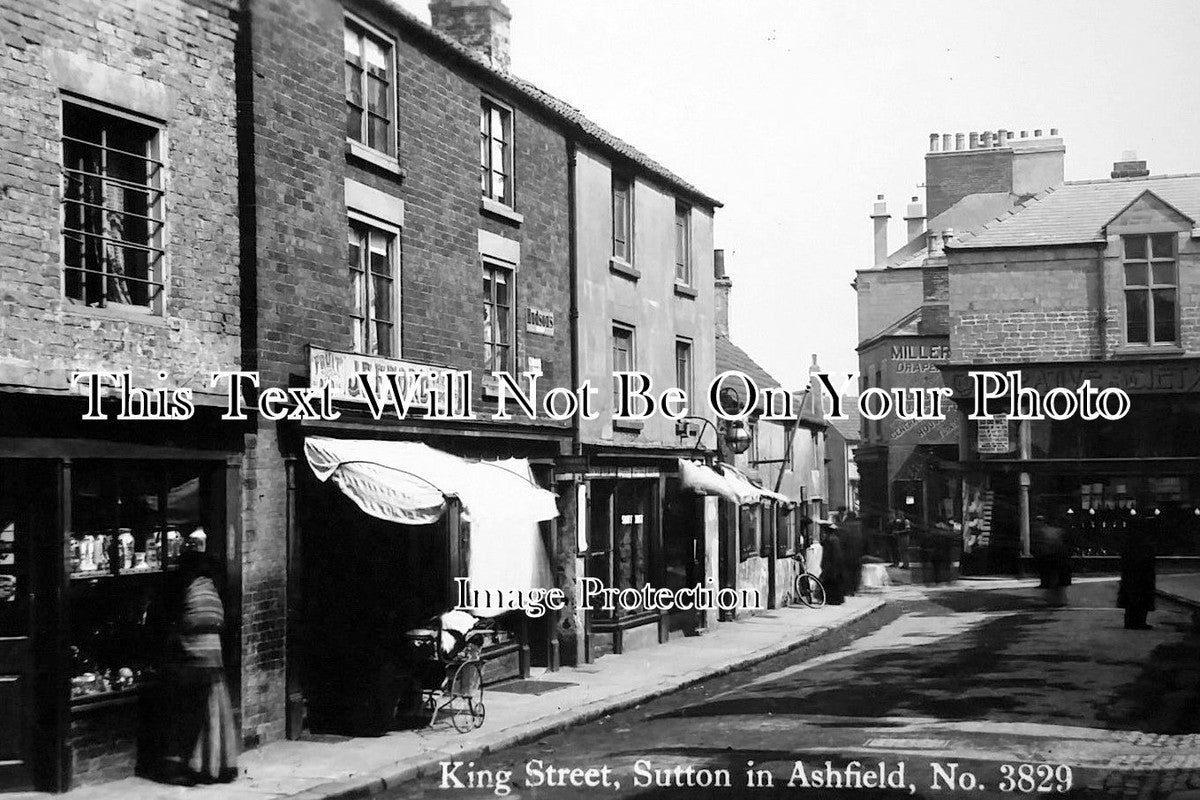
x: 796, y: 114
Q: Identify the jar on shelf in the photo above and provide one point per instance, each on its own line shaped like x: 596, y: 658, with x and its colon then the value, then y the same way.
x: 125, y: 548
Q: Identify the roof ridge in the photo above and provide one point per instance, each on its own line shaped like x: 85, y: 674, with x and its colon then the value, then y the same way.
x: 568, y: 113
x: 1133, y: 179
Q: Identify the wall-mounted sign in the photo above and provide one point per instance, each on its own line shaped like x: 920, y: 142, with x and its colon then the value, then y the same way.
x: 539, y: 321
x: 918, y: 358
x: 339, y: 371
x: 991, y: 436
x: 8, y: 555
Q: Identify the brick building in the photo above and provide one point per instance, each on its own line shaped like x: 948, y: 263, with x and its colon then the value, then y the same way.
x: 1089, y: 280
x: 447, y: 172
x: 119, y: 253
x: 903, y: 315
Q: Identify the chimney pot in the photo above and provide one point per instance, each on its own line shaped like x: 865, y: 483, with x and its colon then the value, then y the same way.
x: 719, y: 263
x: 915, y: 217
x: 1002, y: 138
x: 946, y: 141
x: 1024, y: 134
x: 880, y: 217
x: 1054, y: 131
x: 960, y: 139
x: 974, y: 140
x: 986, y: 142
x: 1037, y: 132
x: 933, y: 142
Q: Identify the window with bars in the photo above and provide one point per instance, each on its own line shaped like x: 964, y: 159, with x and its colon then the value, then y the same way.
x: 497, y: 318
x: 495, y: 152
x: 683, y: 244
x: 373, y: 281
x: 622, y: 210
x: 113, y: 209
x: 683, y: 366
x: 370, y: 103
x: 1151, y: 285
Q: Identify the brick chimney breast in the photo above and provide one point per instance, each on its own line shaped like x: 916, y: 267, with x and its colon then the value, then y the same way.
x: 482, y: 25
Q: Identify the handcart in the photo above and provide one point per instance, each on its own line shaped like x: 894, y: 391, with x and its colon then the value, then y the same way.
x: 451, y: 676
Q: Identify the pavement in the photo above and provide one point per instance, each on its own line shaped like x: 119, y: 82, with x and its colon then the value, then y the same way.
x: 329, y: 768
x: 989, y: 690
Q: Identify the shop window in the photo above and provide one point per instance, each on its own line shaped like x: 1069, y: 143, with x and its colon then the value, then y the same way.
x: 683, y: 244
x: 749, y: 530
x: 768, y: 518
x: 372, y: 261
x: 129, y: 526
x: 622, y: 211
x: 495, y: 151
x: 370, y: 94
x: 113, y: 209
x: 785, y: 542
x: 1151, y: 285
x: 497, y: 318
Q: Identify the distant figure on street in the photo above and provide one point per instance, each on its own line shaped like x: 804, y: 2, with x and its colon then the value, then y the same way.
x: 833, y: 566
x: 941, y: 545
x: 1136, y: 591
x: 900, y: 530
x: 853, y: 548
x: 1051, y: 556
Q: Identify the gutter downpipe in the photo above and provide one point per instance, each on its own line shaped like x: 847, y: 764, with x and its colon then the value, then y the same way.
x: 583, y: 645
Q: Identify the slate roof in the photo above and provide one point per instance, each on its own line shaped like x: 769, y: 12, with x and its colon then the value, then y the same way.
x: 732, y: 357
x: 1077, y: 211
x: 564, y: 112
x: 851, y: 427
x: 966, y: 215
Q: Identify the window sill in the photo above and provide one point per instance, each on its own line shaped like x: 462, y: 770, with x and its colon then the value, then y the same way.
x: 628, y: 425
x: 374, y: 157
x: 623, y: 268
x: 683, y: 290
x: 1136, y: 350
x: 118, y: 313
x: 498, y: 209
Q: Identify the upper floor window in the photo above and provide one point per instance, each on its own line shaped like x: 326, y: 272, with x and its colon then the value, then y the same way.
x: 370, y: 103
x: 497, y: 318
x: 623, y: 355
x: 622, y: 211
x: 373, y: 280
x: 683, y: 244
x: 495, y: 152
x: 1151, y: 285
x: 683, y: 366
x: 113, y: 209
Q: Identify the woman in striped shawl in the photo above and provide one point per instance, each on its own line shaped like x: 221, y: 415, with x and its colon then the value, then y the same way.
x: 201, y: 740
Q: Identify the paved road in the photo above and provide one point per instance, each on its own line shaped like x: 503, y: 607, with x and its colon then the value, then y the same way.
x: 980, y: 693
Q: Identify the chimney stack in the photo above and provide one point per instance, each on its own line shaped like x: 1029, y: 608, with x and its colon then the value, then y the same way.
x: 915, y: 217
x: 722, y: 284
x: 990, y: 162
x: 481, y: 25
x: 1129, y: 166
x: 880, y: 216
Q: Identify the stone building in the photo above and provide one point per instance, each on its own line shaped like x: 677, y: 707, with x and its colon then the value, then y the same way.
x: 119, y: 253
x: 1095, y: 281
x: 903, y: 323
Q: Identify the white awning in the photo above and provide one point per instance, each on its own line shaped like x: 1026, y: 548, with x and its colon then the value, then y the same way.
x: 700, y: 479
x: 409, y: 483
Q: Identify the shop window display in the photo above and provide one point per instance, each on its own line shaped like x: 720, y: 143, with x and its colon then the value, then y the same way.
x: 129, y: 525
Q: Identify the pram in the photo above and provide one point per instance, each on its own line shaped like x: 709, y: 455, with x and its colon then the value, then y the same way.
x: 448, y: 661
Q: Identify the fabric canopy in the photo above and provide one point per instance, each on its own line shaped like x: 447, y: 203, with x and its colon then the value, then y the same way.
x: 730, y: 485
x: 409, y: 483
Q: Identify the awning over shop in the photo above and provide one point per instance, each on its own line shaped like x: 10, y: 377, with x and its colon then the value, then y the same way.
x: 728, y: 484
x: 410, y: 482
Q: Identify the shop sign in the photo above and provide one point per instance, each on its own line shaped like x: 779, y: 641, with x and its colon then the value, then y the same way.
x: 991, y: 436
x: 912, y: 359
x: 340, y: 372
x: 539, y: 321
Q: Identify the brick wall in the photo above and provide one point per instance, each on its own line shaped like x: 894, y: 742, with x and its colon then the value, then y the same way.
x: 175, y: 58
x: 103, y: 744
x: 293, y: 85
x: 949, y: 177
x: 1024, y: 305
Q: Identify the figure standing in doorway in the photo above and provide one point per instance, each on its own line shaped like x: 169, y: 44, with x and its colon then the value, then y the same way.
x: 1136, y: 591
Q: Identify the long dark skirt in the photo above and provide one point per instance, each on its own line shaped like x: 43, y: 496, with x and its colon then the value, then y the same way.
x: 201, y: 738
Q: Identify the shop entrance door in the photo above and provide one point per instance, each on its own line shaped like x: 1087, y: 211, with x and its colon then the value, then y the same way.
x: 16, y: 628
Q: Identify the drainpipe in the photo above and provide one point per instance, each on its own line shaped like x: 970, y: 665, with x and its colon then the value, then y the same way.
x: 1102, y: 297
x: 583, y: 634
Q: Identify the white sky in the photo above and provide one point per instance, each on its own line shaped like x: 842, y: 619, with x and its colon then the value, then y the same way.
x: 796, y: 114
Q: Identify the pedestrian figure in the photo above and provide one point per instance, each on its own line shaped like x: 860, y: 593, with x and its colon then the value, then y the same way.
x: 851, y: 535
x: 201, y: 743
x: 941, y: 542
x: 833, y: 566
x: 1052, y: 556
x: 1136, y: 591
x: 901, y: 530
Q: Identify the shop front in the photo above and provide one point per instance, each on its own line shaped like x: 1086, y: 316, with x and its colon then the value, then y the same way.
x: 91, y: 532
x: 391, y: 534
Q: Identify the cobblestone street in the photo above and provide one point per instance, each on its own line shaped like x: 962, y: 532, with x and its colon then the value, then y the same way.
x: 971, y: 683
